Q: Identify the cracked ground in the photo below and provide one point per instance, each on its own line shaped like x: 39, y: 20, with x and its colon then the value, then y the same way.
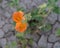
x: 50, y: 40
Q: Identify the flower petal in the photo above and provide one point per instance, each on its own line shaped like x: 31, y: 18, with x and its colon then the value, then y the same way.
x: 21, y: 27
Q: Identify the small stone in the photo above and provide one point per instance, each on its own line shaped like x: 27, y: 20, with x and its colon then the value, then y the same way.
x: 35, y: 37
x: 2, y: 18
x: 33, y: 4
x: 34, y: 45
x: 7, y: 21
x: 40, y: 2
x: 52, y: 38
x: 4, y: 4
x: 59, y: 18
x: 0, y: 46
x: 23, y: 5
x: 52, y: 18
x: 49, y: 45
x: 11, y: 20
x: 1, y: 33
x: 1, y: 11
x: 9, y: 9
x: 36, y: 2
x: 26, y: 1
x: 1, y: 23
x: 28, y: 46
x: 12, y: 38
x: 3, y: 42
x: 13, y: 9
x: 28, y: 36
x: 8, y: 15
x: 57, y: 45
x: 58, y: 3
x: 8, y: 27
x: 8, y: 34
x: 42, y: 42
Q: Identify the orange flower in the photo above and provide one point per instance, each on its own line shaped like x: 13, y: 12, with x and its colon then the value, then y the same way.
x: 21, y: 27
x: 18, y: 16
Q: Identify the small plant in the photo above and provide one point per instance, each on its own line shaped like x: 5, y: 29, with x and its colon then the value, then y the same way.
x: 12, y: 44
x: 25, y: 23
x: 0, y: 1
x: 58, y: 32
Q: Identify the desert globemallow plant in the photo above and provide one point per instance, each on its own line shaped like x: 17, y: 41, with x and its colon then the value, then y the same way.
x: 29, y: 22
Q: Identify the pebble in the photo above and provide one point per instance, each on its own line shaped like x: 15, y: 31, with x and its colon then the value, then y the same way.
x: 49, y: 45
x: 8, y: 27
x: 52, y: 38
x: 52, y: 18
x: 1, y: 23
x: 59, y: 18
x: 58, y: 3
x: 1, y: 33
x: 3, y: 42
x: 35, y: 37
x: 42, y: 42
x: 4, y: 4
x: 34, y: 45
x: 8, y: 15
x: 57, y: 45
x: 12, y: 38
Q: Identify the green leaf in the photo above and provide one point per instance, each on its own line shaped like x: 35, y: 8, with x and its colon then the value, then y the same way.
x: 31, y: 41
x: 27, y: 31
x: 19, y: 34
x: 52, y: 1
x: 28, y: 16
x: 16, y: 2
x: 23, y: 42
x: 44, y: 5
x: 56, y: 9
x: 14, y: 43
x: 34, y: 12
x: 6, y: 46
x: 40, y: 18
x: 14, y: 23
x: 33, y: 24
x: 58, y: 32
x: 20, y: 8
x: 47, y: 27
x: 13, y: 3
